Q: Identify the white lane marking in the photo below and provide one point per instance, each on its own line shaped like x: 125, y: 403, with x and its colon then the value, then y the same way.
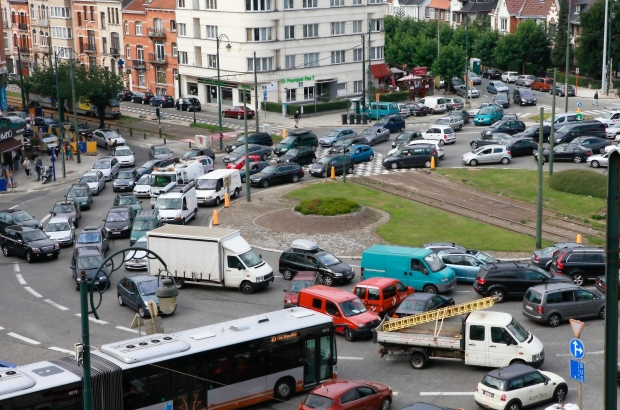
x: 16, y: 267
x: 350, y: 358
x: 61, y: 350
x: 45, y: 218
x: 20, y: 279
x: 127, y: 329
x: 461, y: 291
x: 14, y: 206
x: 56, y: 305
x: 446, y: 393
x: 1, y: 328
x: 25, y: 339
x: 34, y: 292
x: 394, y: 393
x: 568, y: 354
x: 92, y: 319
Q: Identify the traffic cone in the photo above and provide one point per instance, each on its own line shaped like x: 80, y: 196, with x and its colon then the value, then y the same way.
x: 226, y: 200
x: 578, y: 240
x: 216, y: 218
x: 333, y: 172
x: 283, y: 133
x: 432, y: 162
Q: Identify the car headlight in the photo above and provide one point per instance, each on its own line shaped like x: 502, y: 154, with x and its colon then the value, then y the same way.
x: 256, y: 180
x: 288, y: 160
x: 125, y: 227
x: 360, y: 325
x: 337, y: 274
x: 103, y: 278
x: 35, y: 250
x: 444, y: 279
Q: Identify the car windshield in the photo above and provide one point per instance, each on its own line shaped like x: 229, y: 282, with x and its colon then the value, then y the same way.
x: 518, y: 331
x: 403, y: 137
x: 162, y: 150
x: 34, y: 236
x: 144, y: 180
x: 168, y: 203
x: 240, y: 149
x: 609, y: 115
x: 250, y: 258
x: 190, y: 154
x: 485, y: 111
x: 486, y: 258
x: 532, y: 130
x: 501, y: 96
x: 58, y: 226
x: 335, y: 133
x: 314, y: 401
x: 89, y: 237
x: 293, y: 152
x: 123, y: 152
x: 327, y: 259
x: 101, y: 165
x: 268, y: 170
x: 117, y: 217
x: 342, y: 143
x: 352, y: 307
x: 298, y: 285
x: 443, y: 121
x: 149, y: 164
x: 241, y: 138
x: 89, y: 262
x: 88, y: 178
x: 324, y: 160
x: 128, y: 200
x: 63, y: 209
x: 144, y: 225
x: 148, y: 288
x: 413, y: 306
x: 160, y: 181
x: 434, y: 262
x: 494, y: 383
x: 77, y: 192
x: 125, y: 175
x: 206, y: 184
x: 287, y: 140
x: 21, y: 216
x: 549, y: 249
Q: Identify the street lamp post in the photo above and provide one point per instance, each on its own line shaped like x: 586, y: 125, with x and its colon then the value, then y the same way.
x: 166, y: 294
x: 21, y: 77
x: 60, y: 137
x: 219, y: 86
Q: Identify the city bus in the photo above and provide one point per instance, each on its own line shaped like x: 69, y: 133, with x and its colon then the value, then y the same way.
x: 84, y: 107
x: 224, y: 366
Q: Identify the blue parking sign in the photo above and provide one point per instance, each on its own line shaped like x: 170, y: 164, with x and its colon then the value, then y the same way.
x: 578, y: 370
x: 579, y: 104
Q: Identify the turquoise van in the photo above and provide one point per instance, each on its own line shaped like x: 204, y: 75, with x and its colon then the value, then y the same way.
x: 419, y: 268
x: 489, y: 115
x: 378, y: 110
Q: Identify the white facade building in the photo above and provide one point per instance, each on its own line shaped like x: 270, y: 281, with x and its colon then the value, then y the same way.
x: 304, y: 48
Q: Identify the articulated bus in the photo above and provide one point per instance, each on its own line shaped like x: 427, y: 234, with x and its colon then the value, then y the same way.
x: 223, y: 366
x: 112, y: 110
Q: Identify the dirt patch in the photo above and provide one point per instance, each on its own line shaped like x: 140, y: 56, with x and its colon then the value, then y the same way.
x: 287, y: 220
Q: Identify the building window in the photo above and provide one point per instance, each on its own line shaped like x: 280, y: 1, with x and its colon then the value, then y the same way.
x: 357, y: 26
x: 447, y: 15
x: 376, y: 53
x: 309, y: 93
x: 336, y: 3
x: 43, y: 38
x: 61, y: 32
x: 138, y: 28
x: 181, y: 3
x: 128, y: 51
x: 288, y: 4
x: 126, y: 27
x: 289, y: 32
x: 289, y: 62
x: 32, y: 16
x: 160, y: 75
x: 376, y: 24
x: 34, y: 37
x: 211, y: 4
x: 375, y: 1
x: 311, y: 59
x: 291, y: 94
x: 173, y: 25
x: 258, y: 34
x: 338, y: 28
x: 6, y: 40
x: 60, y: 12
x: 357, y: 54
x: 212, y: 32
x: 262, y: 64
x: 141, y: 78
x: 357, y: 2
x: 175, y: 50
x: 431, y: 13
x: 311, y: 30
x: 140, y: 53
x: 309, y: 4
x: 503, y: 24
x: 211, y: 60
x: 358, y: 87
x: 103, y: 18
x: 182, y: 31
x: 337, y: 57
x: 104, y: 45
x: 182, y: 57
x: 257, y: 5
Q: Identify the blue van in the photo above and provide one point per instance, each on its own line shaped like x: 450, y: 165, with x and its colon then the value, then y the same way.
x: 378, y: 110
x: 419, y: 268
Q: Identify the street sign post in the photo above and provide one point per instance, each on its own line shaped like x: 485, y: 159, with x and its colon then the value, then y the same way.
x: 578, y: 371
x: 577, y: 349
x: 265, y: 95
x: 576, y: 325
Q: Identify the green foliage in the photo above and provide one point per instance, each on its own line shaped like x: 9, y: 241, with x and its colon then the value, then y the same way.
x: 580, y: 182
x: 461, y: 37
x: 507, y: 50
x: 271, y: 106
x: 210, y: 127
x: 558, y: 54
x: 394, y: 97
x: 589, y: 51
x: 98, y: 86
x: 43, y: 82
x: 534, y: 43
x: 327, y: 206
x: 484, y: 46
x: 35, y: 141
x: 450, y: 63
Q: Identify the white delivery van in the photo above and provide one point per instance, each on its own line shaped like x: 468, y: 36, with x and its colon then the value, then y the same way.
x: 436, y: 104
x: 179, y: 174
x: 211, y: 188
x: 177, y: 204
x: 208, y: 256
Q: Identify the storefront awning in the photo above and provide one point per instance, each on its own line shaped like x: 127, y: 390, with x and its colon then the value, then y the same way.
x: 9, y: 144
x: 380, y: 70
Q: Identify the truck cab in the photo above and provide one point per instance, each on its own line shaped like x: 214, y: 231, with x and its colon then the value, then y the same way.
x: 179, y: 174
x: 177, y: 204
x: 382, y: 295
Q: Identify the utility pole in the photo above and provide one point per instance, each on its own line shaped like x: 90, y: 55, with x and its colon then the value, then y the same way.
x: 567, y: 63
x: 363, y: 74
x: 467, y: 99
x: 605, y: 39
x: 369, y: 73
x: 539, y: 184
x: 256, y: 97
x: 60, y: 131
x: 437, y: 17
x: 551, y: 136
x: 609, y: 69
x: 248, y: 184
x: 21, y: 77
x: 75, y: 120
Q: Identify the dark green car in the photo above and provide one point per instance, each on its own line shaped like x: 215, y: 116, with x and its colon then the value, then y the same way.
x: 128, y: 200
x: 81, y: 194
x: 144, y: 221
x: 297, y: 138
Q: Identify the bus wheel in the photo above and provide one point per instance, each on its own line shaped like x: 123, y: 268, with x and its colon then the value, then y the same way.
x: 284, y: 389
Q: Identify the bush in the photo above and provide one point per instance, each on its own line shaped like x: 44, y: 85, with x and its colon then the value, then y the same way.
x: 327, y: 206
x: 394, y: 97
x: 580, y: 182
x: 308, y: 108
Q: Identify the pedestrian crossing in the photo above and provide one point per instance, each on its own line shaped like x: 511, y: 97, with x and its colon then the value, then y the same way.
x: 593, y: 113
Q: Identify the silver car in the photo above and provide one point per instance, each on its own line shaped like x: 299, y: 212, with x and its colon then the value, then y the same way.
x: 95, y: 181
x: 160, y: 152
x: 94, y: 236
x: 525, y: 80
x: 403, y: 109
x: 456, y: 123
x: 108, y: 166
x: 487, y: 154
x: 471, y: 92
x: 207, y: 163
x: 374, y: 135
x: 60, y: 230
x: 103, y: 136
x: 142, y: 189
x: 137, y: 260
x: 69, y: 210
x: 253, y: 149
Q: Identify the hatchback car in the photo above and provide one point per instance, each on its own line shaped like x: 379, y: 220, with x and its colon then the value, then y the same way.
x: 89, y: 259
x: 594, y: 144
x: 522, y: 147
x: 474, y: 78
x: 393, y: 123
x: 9, y: 217
x: 125, y: 180
x: 495, y: 87
x: 560, y: 90
x: 422, y: 302
x: 60, y: 230
x: 335, y: 135
x: 255, y: 168
x: 105, y: 136
x: 81, y: 194
x: 160, y: 152
x: 510, y: 127
x: 488, y: 154
x: 277, y: 174
x: 32, y: 243
x: 339, y: 162
x: 258, y: 138
x: 69, y: 210
x: 471, y: 92
x: 374, y: 135
x: 344, y: 144
x: 137, y: 260
x: 464, y: 265
x: 305, y: 255
x: 301, y: 155
x: 525, y: 80
x: 360, y: 153
x: 296, y: 138
x: 188, y: 104
x: 135, y: 291
x: 108, y: 166
x: 301, y: 280
x: 118, y: 221
x: 519, y: 385
x: 579, y: 264
x: 141, y: 98
x: 236, y: 111
x: 489, y: 115
x: 411, y: 156
x: 161, y: 101
x: 125, y: 157
x: 94, y: 236
x: 502, y: 99
x: 128, y: 200
x: 342, y: 394
x: 256, y: 150
x: 554, y: 303
x: 456, y: 123
x: 566, y: 152
x: 440, y: 132
x: 406, y: 137
x: 142, y: 188
x: 95, y: 181
x: 544, y: 257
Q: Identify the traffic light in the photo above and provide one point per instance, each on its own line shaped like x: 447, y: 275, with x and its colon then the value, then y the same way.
x: 157, y: 112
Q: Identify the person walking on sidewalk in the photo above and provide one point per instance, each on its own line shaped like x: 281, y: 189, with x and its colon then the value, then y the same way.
x: 296, y: 118
x: 26, y: 165
x: 595, y: 102
x: 109, y: 146
x: 38, y: 169
x: 69, y: 152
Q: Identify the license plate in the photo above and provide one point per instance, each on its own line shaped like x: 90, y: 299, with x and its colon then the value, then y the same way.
x: 488, y: 393
x: 49, y: 254
x: 116, y: 233
x: 529, y: 307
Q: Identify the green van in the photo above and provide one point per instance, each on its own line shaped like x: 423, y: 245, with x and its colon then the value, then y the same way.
x: 419, y: 268
x: 294, y: 139
x: 145, y: 221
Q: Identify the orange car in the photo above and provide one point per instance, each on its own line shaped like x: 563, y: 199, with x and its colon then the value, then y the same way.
x: 542, y: 84
x: 382, y: 295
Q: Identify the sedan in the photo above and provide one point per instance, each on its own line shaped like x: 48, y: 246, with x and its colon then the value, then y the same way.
x: 160, y: 152
x: 471, y: 92
x: 301, y: 156
x: 416, y: 109
x: 474, y: 78
x: 142, y: 98
x: 161, y: 101
x: 125, y: 180
x: 456, y: 123
x: 566, y: 152
x: 522, y: 147
x: 105, y: 136
x: 60, y: 230
x: 534, y: 133
x: 491, y: 139
x: 148, y: 166
x: 277, y: 174
x: 348, y: 395
x: 69, y: 210
x: 237, y: 112
x: 255, y: 168
x: 594, y: 143
x: 118, y: 221
x: 335, y: 135
x: 125, y: 157
x: 495, y: 87
x: 253, y: 149
x: 95, y: 180
x: 559, y: 89
x: 422, y: 302
x: 135, y: 291
x: 128, y: 200
x: 599, y: 160
x: 360, y: 153
x: 188, y: 104
x: 374, y: 135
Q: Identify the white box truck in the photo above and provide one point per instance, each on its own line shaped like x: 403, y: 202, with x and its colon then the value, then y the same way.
x: 208, y: 256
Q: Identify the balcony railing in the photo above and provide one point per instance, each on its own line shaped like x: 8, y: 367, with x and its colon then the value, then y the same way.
x: 157, y: 32
x: 115, y: 51
x: 90, y: 48
x: 155, y: 58
x: 138, y: 64
x: 40, y: 22
x: 22, y: 26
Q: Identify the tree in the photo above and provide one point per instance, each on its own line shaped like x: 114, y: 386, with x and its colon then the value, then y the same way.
x: 449, y: 64
x: 507, y: 50
x: 558, y: 54
x: 98, y: 86
x: 534, y: 43
x: 462, y: 36
x: 425, y: 51
x: 484, y: 47
x: 590, y: 44
x: 43, y: 82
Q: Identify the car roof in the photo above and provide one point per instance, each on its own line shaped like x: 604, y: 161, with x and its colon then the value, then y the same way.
x: 304, y: 245
x: 23, y: 228
x: 509, y: 372
x: 141, y: 277
x: 337, y: 295
x: 119, y: 209
x: 334, y: 388
x: 91, y: 228
x: 57, y: 219
x: 585, y: 249
x: 550, y: 287
x: 91, y: 172
x: 420, y: 296
x: 88, y: 250
x: 377, y: 282
x: 354, y: 146
x: 10, y: 211
x: 65, y: 202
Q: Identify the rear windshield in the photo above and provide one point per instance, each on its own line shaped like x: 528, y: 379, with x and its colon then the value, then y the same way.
x: 533, y: 296
x: 494, y: 382
x: 549, y: 81
x: 318, y: 402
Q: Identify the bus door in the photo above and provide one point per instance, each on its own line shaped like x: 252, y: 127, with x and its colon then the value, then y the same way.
x: 318, y: 355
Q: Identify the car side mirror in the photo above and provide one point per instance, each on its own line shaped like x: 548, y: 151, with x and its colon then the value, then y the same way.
x: 283, y: 290
x: 425, y: 271
x: 103, y: 220
x: 72, y: 267
x: 337, y: 314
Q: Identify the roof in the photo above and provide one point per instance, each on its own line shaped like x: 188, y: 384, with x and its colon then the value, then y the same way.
x: 162, y: 4
x: 56, y: 219
x: 439, y: 4
x: 511, y: 371
x: 536, y: 8
x: 478, y: 7
x: 584, y: 6
x: 141, y: 277
x: 135, y: 5
x: 548, y: 287
x: 513, y: 6
x: 397, y: 250
x: 334, y: 388
x: 411, y: 2
x: 193, y: 232
x: 337, y: 295
x: 378, y: 282
x: 380, y: 70
x: 88, y: 250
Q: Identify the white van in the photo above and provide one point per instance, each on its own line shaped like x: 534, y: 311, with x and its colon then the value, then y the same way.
x: 210, y: 187
x: 435, y: 104
x: 177, y: 204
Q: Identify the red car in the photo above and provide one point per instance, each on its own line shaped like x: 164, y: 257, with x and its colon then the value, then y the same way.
x: 350, y: 395
x: 240, y: 163
x: 302, y: 280
x: 237, y: 111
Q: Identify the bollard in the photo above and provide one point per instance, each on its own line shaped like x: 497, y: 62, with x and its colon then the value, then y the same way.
x: 145, y: 135
x: 333, y: 172
x: 164, y: 140
x: 432, y: 162
x: 283, y: 133
x: 216, y: 218
x: 130, y: 132
x: 578, y: 240
x: 190, y: 144
x: 226, y: 200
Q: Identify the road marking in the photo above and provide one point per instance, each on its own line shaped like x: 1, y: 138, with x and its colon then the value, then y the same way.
x: 56, y: 305
x: 25, y: 339
x: 350, y: 358
x: 14, y: 206
x: 61, y: 350
x: 1, y: 328
x: 20, y: 279
x: 92, y: 319
x: 394, y: 393
x: 45, y: 218
x: 589, y: 353
x: 16, y: 267
x: 127, y: 329
x: 29, y: 289
x: 446, y: 393
x: 461, y: 291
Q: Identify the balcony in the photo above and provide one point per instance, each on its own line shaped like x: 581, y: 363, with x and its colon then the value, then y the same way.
x: 156, y: 32
x: 157, y: 58
x: 137, y: 64
x: 90, y: 48
x: 115, y: 52
x: 5, y: 24
x: 40, y: 22
x: 22, y: 26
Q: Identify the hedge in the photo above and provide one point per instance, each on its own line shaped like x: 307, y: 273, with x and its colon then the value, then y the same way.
x: 394, y: 97
x: 308, y: 108
x: 583, y: 81
x: 580, y: 182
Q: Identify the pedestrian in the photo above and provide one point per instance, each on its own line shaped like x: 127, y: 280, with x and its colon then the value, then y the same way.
x: 9, y: 177
x: 39, y: 161
x: 296, y: 118
x: 70, y: 152
x: 595, y: 102
x: 109, y: 146
x: 37, y: 169
x: 26, y: 165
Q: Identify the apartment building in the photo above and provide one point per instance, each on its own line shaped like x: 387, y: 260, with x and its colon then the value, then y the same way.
x: 17, y: 32
x: 305, y: 49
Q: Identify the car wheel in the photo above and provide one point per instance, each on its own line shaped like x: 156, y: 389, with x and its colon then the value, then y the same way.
x: 554, y: 320
x: 350, y: 170
x: 77, y: 286
x: 499, y: 295
x: 474, y: 145
x: 601, y: 313
x: 595, y: 164
x: 394, y: 165
x: 265, y: 184
x: 247, y: 288
x: 505, y: 161
x: 473, y: 162
x: 427, y: 164
x: 120, y: 300
x: 284, y: 389
x: 559, y: 395
x: 602, y: 150
x: 432, y: 111
x: 178, y: 108
x: 418, y: 361
x: 371, y: 157
x: 460, y: 127
x: 313, y: 160
x: 371, y: 143
x: 5, y: 251
x: 264, y: 157
x: 142, y: 102
x: 287, y: 274
x: 243, y: 180
x: 236, y: 193
x: 217, y: 201
x: 430, y: 289
x: 348, y: 335
x: 415, y: 114
x: 328, y: 280
x: 577, y: 159
x: 29, y: 257
x: 513, y: 405
x: 385, y: 404
x: 295, y: 178
x: 239, y: 116
x: 143, y: 313
x: 402, y: 129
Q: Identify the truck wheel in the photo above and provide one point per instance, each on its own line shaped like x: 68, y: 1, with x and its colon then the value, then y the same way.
x: 328, y: 280
x: 348, y: 335
x: 513, y: 405
x: 288, y: 275
x: 179, y: 283
x: 284, y: 389
x: 418, y: 361
x: 430, y: 289
x: 247, y: 288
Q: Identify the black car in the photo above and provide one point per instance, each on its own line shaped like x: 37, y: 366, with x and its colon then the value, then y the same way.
x: 305, y: 255
x: 579, y: 264
x: 566, y: 152
x: 148, y: 166
x: 422, y: 302
x: 119, y: 220
x: 89, y: 259
x: 301, y: 155
x: 142, y: 98
x: 125, y: 180
x: 534, y: 133
x: 30, y: 242
x: 510, y: 127
x: 188, y: 104
x: 544, y: 257
x: 590, y: 128
x: 416, y: 109
x: 412, y: 156
x: 260, y: 138
x: 9, y: 217
x: 343, y: 145
x: 198, y: 152
x: 135, y: 291
x: 83, y: 128
x: 559, y: 90
x: 502, y: 99
x: 69, y: 209
x: 601, y: 284
x: 162, y: 101
x: 595, y: 144
x: 405, y: 137
x: 125, y: 95
x: 521, y: 147
x: 491, y: 139
x: 339, y: 162
x: 505, y: 279
x: 277, y: 174
x: 492, y: 74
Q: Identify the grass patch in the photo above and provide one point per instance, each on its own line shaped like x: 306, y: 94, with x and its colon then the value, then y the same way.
x: 123, y: 120
x: 213, y: 128
x: 276, y: 138
x: 521, y: 184
x: 580, y: 182
x: 413, y: 224
x: 327, y: 206
x: 13, y: 94
x: 536, y: 117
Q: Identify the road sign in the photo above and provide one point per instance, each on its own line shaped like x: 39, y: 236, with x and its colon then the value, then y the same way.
x: 577, y: 70
x: 265, y: 95
x: 579, y: 117
x: 578, y: 370
x: 577, y: 349
x: 579, y: 104
x: 227, y: 181
x: 576, y: 325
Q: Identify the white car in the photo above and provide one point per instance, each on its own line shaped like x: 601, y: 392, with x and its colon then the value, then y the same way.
x: 136, y: 260
x: 125, y: 157
x: 95, y: 181
x: 439, y: 132
x: 517, y: 386
x: 142, y: 189
x: 613, y: 131
x: 610, y: 118
x: 510, y: 76
x: 60, y: 230
x: 440, y: 151
x: 599, y: 160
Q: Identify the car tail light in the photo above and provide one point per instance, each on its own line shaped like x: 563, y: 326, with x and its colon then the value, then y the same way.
x: 536, y: 258
x: 503, y: 398
x: 445, y: 136
x: 481, y: 281
x: 509, y: 153
x: 588, y: 153
x: 560, y: 264
x: 540, y: 310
